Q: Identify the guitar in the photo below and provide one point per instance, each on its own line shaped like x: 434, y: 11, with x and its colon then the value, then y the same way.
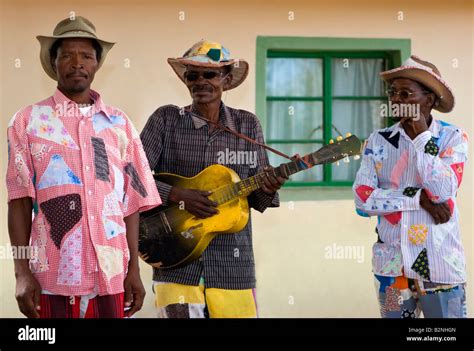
x: 171, y: 237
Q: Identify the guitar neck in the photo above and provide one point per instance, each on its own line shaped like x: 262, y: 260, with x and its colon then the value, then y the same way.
x: 246, y: 186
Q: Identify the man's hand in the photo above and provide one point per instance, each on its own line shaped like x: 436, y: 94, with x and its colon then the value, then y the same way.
x: 195, y: 202
x: 28, y: 292
x: 271, y: 182
x: 134, y: 292
x: 414, y: 126
x: 439, y: 212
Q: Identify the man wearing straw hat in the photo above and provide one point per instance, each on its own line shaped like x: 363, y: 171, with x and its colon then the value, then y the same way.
x: 79, y: 165
x: 182, y: 141
x: 409, y: 178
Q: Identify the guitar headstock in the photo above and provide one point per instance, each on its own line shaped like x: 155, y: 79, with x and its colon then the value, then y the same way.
x: 341, y: 149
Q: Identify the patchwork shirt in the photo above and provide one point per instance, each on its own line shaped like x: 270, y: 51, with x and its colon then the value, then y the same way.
x: 388, y: 184
x: 84, y: 173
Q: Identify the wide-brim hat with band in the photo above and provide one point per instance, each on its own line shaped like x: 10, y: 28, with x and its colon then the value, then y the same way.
x: 208, y: 54
x: 427, y: 74
x: 76, y: 27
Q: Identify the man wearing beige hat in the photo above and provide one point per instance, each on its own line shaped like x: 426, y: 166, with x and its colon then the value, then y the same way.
x: 79, y: 166
x: 409, y: 177
x: 184, y: 141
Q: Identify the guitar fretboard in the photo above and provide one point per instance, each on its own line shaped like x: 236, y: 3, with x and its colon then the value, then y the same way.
x: 246, y: 186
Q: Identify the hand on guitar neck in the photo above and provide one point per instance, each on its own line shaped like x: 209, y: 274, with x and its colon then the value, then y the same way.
x: 272, y: 183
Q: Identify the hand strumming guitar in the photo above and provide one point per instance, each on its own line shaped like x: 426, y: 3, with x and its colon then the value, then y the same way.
x: 195, y: 202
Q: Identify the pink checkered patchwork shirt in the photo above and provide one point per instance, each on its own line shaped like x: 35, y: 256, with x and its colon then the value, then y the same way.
x: 85, y: 173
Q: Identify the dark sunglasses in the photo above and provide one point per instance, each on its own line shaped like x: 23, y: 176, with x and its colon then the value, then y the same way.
x: 403, y: 94
x: 193, y: 75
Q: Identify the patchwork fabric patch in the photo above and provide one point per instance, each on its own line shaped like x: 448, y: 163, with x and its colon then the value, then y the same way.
x: 379, y: 153
x: 392, y: 140
x: 101, y: 122
x: 45, y: 124
x: 111, y: 206
x: 39, y: 151
x: 456, y: 260
x: 431, y: 147
x: 392, y: 299
x: 40, y: 263
x: 112, y: 228
x: 417, y: 233
x: 22, y: 172
x: 421, y: 265
x: 394, y: 266
x: 70, y: 263
x: 364, y: 191
x: 122, y: 142
x: 62, y: 214
x: 440, y: 232
x: 135, y: 180
x: 57, y: 173
x: 119, y: 183
x: 458, y: 169
x: 111, y: 260
x: 101, y: 161
x: 410, y: 191
x: 394, y: 218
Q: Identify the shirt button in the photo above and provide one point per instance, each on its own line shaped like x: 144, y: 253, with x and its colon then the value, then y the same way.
x: 82, y: 122
x: 90, y: 192
x: 87, y: 168
x: 84, y: 144
x: 92, y: 217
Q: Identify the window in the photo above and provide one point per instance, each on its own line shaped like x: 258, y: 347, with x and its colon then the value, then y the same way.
x: 309, y: 95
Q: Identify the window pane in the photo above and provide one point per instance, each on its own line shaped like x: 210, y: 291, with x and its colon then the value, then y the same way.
x: 294, y: 77
x: 357, y: 117
x: 345, y: 171
x: 357, y: 77
x: 295, y: 120
x: 314, y: 174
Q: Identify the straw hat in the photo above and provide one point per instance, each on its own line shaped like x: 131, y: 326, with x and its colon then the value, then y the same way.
x: 427, y: 74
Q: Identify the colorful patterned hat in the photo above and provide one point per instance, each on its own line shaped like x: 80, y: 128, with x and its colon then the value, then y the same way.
x: 208, y: 54
x: 427, y: 74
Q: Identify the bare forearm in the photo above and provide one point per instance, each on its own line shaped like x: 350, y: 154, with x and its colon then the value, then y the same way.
x: 19, y: 228
x: 131, y: 223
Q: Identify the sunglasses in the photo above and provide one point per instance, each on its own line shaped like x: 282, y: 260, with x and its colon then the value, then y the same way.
x: 193, y: 75
x: 403, y: 94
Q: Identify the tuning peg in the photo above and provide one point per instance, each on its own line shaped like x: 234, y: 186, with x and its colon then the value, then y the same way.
x: 337, y: 163
x: 339, y: 138
x: 331, y: 141
x: 356, y: 157
x: 348, y: 135
x: 346, y: 159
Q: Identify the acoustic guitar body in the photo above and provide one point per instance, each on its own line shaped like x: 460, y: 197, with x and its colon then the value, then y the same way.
x: 172, y: 237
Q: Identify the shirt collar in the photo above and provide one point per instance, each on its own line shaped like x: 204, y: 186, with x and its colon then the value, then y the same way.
x: 433, y: 128
x: 225, y: 117
x: 98, y: 106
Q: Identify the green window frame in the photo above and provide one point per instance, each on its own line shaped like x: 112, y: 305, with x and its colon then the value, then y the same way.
x: 393, y: 51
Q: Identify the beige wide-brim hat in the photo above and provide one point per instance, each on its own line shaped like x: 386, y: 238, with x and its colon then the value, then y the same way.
x: 209, y: 54
x: 77, y: 27
x: 427, y: 74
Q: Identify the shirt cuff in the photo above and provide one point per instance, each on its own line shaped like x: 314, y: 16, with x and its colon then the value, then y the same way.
x: 421, y: 140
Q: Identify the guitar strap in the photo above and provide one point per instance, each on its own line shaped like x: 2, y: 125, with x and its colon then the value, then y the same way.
x: 250, y: 140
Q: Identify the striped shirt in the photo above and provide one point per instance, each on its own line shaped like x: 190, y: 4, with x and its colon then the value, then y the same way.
x: 180, y: 143
x: 388, y: 184
x: 84, y: 173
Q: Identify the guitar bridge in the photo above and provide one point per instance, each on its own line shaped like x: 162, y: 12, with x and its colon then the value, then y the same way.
x: 165, y: 222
